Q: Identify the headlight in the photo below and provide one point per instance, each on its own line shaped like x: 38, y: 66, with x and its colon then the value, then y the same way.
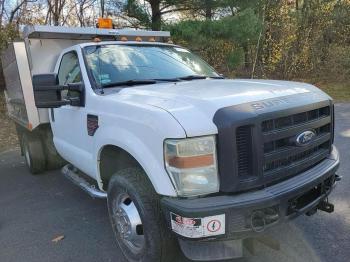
x: 191, y: 164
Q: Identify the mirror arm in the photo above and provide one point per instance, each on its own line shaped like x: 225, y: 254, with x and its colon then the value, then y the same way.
x: 74, y: 87
x: 52, y: 104
x: 74, y: 101
x: 49, y: 88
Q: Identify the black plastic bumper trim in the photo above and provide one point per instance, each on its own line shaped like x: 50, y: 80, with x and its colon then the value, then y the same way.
x: 274, y: 196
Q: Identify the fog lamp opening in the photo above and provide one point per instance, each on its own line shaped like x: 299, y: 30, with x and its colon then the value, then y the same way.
x: 261, y: 218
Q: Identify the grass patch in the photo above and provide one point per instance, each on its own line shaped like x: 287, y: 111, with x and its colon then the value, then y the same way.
x: 340, y: 92
x: 8, y: 135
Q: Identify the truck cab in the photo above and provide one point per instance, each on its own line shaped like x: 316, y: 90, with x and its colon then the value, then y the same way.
x: 185, y: 157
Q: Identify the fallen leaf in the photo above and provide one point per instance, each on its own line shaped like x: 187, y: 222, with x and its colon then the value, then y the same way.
x: 57, y: 239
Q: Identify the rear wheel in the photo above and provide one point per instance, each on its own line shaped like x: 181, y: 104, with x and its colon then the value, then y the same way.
x: 33, y: 153
x: 137, y: 220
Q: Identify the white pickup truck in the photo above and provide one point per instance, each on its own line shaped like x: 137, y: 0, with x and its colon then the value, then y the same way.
x: 184, y: 157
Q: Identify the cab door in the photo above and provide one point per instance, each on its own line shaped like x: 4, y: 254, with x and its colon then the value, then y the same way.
x: 69, y: 122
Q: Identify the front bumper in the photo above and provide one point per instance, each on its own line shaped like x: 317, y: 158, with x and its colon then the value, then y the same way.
x: 248, y: 214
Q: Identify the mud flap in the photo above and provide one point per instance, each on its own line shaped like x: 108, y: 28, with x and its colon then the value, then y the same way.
x: 250, y: 244
x: 212, y: 250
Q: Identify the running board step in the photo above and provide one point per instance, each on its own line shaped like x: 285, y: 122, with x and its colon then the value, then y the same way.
x: 70, y: 172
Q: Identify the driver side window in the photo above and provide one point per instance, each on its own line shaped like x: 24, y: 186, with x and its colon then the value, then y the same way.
x: 69, y: 72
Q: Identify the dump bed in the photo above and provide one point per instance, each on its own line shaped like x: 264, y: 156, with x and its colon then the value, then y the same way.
x: 38, y: 53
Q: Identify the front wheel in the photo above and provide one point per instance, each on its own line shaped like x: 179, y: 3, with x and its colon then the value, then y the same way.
x: 136, y: 217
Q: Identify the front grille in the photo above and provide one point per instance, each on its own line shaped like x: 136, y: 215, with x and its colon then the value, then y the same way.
x: 295, y: 158
x: 291, y: 120
x: 280, y: 156
x: 244, y: 149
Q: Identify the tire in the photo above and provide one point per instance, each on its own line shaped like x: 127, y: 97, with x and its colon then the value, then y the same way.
x: 33, y: 153
x: 53, y: 159
x: 129, y: 189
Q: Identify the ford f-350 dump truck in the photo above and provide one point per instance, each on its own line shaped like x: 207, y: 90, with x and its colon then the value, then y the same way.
x: 185, y: 157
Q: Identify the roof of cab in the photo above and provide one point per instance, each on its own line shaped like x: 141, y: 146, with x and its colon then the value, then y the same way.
x: 88, y: 33
x: 82, y: 45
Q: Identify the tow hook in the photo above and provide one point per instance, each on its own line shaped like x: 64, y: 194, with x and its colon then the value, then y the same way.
x: 326, y: 206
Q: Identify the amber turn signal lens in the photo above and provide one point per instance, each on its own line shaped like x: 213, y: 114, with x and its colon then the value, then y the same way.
x: 191, y: 161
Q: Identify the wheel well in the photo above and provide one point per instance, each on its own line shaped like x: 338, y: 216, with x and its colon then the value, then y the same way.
x: 113, y: 159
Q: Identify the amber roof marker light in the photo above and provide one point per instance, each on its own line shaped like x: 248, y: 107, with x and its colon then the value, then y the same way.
x: 105, y: 23
x: 96, y: 39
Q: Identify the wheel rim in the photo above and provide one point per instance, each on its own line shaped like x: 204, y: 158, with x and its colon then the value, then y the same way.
x: 26, y: 155
x: 128, y: 223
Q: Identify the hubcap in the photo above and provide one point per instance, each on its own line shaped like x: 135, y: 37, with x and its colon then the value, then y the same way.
x: 26, y: 155
x: 128, y: 223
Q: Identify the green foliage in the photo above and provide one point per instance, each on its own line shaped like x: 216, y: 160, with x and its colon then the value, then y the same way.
x: 222, y: 42
x: 235, y: 59
x: 241, y: 29
x: 8, y: 33
x: 135, y: 10
x: 277, y: 39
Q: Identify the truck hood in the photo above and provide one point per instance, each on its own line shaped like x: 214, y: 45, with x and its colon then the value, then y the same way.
x: 194, y: 103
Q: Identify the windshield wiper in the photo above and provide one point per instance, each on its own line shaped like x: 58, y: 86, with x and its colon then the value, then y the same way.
x: 130, y: 83
x: 192, y: 77
x: 167, y: 79
x: 217, y: 77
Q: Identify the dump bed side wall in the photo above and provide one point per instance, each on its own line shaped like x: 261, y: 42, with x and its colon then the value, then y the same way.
x: 22, y: 60
x: 43, y: 53
x: 13, y: 62
x: 42, y: 58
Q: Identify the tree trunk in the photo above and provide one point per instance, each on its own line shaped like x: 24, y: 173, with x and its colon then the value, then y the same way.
x: 15, y: 10
x: 156, y: 15
x: 246, y: 56
x: 56, y: 15
x: 102, y: 8
x: 81, y: 15
x: 2, y: 79
x: 2, y: 7
x: 208, y: 9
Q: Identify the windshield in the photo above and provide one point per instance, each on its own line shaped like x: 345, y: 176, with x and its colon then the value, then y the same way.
x: 114, y: 63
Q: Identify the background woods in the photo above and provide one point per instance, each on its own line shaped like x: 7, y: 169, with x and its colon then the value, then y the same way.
x: 287, y: 39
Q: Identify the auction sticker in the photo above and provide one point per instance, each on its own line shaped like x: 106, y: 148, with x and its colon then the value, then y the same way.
x: 198, y: 227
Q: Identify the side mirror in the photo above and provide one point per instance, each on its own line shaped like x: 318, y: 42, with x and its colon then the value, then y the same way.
x: 47, y: 92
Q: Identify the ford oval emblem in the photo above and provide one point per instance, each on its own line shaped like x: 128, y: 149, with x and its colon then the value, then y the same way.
x: 305, y: 138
